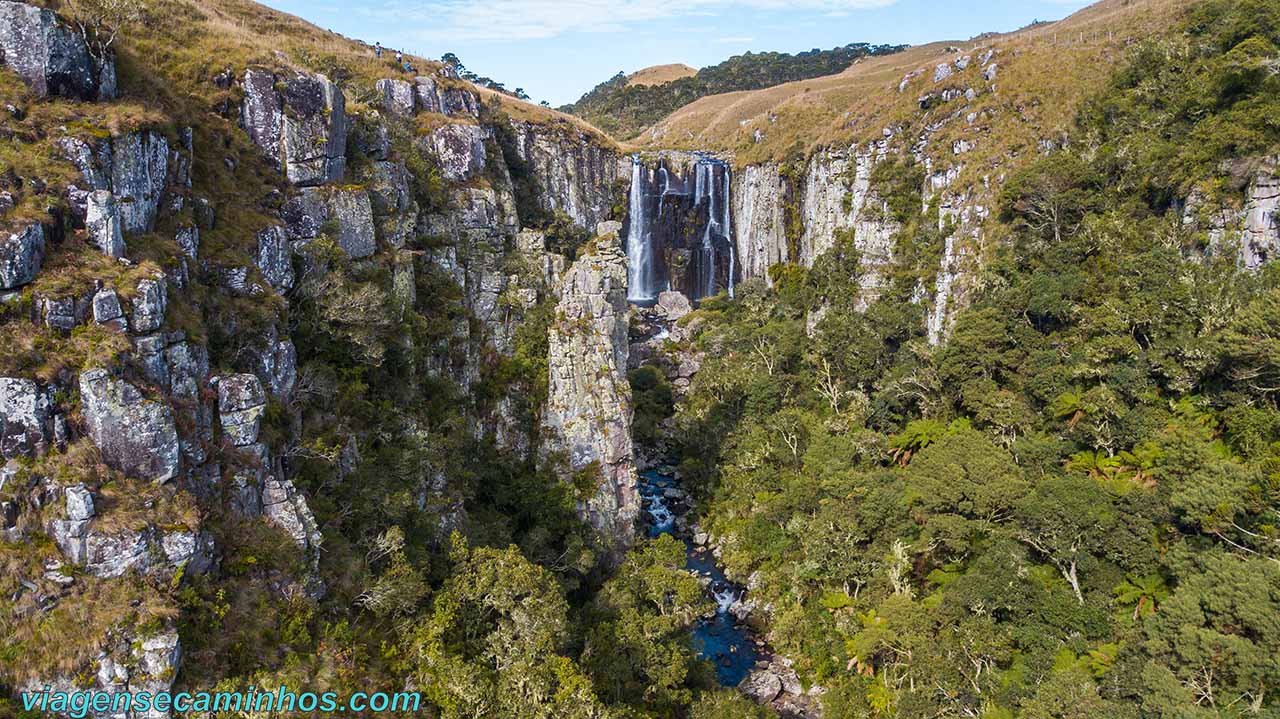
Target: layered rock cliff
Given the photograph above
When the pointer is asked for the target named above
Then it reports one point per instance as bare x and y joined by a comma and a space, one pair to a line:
208, 301
588, 413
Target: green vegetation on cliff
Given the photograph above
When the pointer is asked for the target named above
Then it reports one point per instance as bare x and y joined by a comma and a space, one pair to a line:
1070, 508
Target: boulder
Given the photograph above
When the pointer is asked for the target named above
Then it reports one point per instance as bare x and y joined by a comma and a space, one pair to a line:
942, 71
107, 310
989, 73
136, 435
102, 223
241, 404
761, 686
674, 304
20, 256
431, 95
51, 57
26, 418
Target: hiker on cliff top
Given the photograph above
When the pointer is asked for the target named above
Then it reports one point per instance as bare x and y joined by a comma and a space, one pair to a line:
377, 50
399, 58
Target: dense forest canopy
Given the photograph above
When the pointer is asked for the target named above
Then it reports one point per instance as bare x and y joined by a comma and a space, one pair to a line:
1070, 509
623, 109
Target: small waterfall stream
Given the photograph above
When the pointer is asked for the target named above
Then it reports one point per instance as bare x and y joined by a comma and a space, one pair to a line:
680, 230
721, 639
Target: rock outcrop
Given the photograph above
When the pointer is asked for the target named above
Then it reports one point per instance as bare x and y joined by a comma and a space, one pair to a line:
588, 410
137, 435
460, 149
347, 212
575, 172
133, 168
300, 120
21, 253
26, 418
50, 56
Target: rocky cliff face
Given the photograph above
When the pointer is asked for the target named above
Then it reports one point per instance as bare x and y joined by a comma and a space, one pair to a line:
50, 56
182, 393
588, 413
575, 173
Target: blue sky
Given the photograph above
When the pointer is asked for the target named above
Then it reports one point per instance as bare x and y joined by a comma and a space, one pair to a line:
558, 49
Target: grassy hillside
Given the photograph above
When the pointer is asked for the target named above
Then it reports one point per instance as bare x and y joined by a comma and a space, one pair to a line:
1045, 71
659, 74
622, 107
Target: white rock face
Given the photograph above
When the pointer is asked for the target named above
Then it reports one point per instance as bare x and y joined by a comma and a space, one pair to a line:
759, 201
50, 56
26, 417
349, 209
299, 120
461, 150
588, 412
1260, 238
574, 172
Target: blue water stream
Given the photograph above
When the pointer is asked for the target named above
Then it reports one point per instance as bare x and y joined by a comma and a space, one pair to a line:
721, 639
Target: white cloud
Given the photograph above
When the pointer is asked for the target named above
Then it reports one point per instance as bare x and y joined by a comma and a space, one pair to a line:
535, 19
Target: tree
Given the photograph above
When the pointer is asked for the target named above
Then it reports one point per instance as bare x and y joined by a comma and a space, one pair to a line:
99, 21
1065, 518
1212, 644
637, 651
491, 644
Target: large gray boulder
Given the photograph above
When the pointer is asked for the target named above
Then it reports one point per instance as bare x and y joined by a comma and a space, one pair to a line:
136, 435
26, 417
397, 96
431, 95
21, 253
301, 121
50, 56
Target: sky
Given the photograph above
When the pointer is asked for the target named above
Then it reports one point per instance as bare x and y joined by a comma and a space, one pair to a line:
556, 50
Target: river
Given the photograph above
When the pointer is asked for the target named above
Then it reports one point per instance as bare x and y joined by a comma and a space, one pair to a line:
722, 639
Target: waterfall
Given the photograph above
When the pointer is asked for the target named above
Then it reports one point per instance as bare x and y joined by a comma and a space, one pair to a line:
679, 229
639, 249
727, 229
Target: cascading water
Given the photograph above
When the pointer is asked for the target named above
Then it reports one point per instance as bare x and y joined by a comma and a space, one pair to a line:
720, 639
640, 284
679, 230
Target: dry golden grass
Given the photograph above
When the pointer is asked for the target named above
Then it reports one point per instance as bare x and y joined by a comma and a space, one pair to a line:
1045, 71
659, 74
